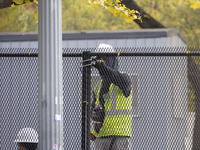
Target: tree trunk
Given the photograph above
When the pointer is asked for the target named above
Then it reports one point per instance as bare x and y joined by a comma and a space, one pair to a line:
147, 20
5, 3
8, 3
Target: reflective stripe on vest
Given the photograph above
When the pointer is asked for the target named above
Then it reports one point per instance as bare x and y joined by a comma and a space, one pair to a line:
113, 110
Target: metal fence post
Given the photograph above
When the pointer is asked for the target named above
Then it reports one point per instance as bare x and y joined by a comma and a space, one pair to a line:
50, 75
86, 82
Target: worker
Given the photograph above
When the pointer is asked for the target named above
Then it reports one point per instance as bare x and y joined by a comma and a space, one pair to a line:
27, 139
111, 105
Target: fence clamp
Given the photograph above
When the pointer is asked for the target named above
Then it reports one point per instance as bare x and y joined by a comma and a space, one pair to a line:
88, 60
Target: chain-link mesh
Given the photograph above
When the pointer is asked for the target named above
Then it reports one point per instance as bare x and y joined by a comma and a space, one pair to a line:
19, 99
149, 99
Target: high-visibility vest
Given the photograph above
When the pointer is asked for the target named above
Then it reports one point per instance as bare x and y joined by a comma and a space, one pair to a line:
118, 118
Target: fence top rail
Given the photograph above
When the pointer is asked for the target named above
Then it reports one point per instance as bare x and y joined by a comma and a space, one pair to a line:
105, 54
120, 51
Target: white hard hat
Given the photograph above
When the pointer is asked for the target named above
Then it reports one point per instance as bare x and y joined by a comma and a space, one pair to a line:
27, 135
105, 48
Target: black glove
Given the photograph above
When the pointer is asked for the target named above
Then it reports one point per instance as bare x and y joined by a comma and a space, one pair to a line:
98, 115
100, 65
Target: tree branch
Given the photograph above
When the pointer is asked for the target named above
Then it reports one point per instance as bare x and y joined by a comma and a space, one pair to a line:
5, 3
8, 3
147, 20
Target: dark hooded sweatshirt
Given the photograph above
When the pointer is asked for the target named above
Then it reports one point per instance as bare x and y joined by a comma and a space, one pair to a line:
110, 74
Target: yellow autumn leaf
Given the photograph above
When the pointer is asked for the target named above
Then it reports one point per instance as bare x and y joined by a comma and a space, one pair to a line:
195, 7
194, 4
116, 8
116, 14
123, 15
128, 20
35, 1
13, 5
113, 11
109, 3
132, 11
118, 53
124, 7
95, 5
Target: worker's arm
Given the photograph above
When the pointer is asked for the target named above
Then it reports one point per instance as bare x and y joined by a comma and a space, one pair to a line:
122, 80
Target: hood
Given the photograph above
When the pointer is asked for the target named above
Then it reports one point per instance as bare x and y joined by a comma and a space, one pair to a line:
112, 62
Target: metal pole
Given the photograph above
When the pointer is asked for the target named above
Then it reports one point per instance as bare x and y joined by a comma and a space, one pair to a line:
86, 77
50, 75
88, 106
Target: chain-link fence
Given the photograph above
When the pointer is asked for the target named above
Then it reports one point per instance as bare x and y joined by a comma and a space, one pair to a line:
139, 98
